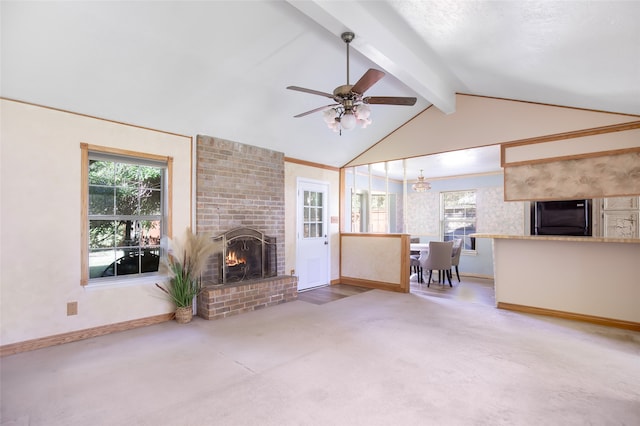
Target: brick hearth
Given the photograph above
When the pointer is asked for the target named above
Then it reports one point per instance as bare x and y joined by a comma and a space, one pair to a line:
221, 301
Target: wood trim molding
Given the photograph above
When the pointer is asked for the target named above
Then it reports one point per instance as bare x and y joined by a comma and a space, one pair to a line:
609, 322
84, 214
169, 214
372, 284
74, 336
311, 164
93, 116
128, 153
547, 104
563, 136
572, 157
373, 235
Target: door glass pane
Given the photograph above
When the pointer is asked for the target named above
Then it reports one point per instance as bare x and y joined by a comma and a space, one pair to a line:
312, 209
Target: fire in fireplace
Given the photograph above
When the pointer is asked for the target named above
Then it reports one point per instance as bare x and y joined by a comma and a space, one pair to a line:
233, 259
247, 254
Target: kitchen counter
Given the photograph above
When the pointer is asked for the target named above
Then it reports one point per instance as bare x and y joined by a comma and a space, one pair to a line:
586, 278
559, 238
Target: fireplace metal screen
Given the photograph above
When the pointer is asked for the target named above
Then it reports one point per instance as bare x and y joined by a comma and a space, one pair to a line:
247, 254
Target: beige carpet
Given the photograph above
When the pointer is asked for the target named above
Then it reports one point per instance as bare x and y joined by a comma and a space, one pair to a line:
376, 358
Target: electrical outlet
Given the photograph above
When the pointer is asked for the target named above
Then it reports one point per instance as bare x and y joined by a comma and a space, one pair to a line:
72, 308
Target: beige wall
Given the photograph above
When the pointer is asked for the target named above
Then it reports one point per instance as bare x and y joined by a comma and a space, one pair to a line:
575, 276
40, 191
481, 121
293, 171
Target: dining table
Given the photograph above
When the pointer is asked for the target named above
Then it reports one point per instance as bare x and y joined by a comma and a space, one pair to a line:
416, 248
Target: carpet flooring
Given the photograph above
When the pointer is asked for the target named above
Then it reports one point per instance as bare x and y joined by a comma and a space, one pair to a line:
372, 358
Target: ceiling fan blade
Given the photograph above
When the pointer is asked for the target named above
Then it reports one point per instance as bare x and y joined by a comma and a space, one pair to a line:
389, 100
313, 92
369, 78
313, 110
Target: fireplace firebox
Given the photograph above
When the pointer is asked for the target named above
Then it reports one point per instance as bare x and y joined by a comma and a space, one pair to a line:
247, 254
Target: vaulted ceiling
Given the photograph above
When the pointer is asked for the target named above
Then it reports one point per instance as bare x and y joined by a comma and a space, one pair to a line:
221, 68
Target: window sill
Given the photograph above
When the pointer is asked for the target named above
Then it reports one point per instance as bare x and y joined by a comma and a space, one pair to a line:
110, 283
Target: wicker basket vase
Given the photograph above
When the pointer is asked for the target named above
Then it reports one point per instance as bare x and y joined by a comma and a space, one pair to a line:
184, 314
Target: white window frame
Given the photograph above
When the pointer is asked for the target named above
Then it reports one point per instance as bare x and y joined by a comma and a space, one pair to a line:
87, 151
465, 220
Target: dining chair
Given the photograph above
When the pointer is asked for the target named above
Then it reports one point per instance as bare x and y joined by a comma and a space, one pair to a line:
415, 265
439, 258
455, 255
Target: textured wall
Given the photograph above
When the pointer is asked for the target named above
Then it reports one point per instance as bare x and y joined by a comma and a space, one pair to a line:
494, 215
239, 185
593, 177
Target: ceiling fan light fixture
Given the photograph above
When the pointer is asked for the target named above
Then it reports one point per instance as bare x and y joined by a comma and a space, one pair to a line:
329, 116
348, 120
363, 114
421, 185
351, 107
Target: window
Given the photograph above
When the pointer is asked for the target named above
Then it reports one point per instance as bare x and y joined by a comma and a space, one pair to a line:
313, 214
376, 200
379, 217
458, 213
125, 195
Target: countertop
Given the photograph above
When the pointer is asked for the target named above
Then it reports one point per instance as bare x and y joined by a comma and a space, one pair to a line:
558, 238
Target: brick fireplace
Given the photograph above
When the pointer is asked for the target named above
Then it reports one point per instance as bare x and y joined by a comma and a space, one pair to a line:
240, 186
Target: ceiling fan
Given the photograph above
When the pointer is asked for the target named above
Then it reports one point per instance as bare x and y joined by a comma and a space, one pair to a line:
351, 106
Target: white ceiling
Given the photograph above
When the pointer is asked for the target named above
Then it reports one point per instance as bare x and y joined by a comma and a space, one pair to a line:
220, 68
479, 160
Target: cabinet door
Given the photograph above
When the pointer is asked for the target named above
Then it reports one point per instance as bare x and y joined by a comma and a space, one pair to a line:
621, 224
621, 203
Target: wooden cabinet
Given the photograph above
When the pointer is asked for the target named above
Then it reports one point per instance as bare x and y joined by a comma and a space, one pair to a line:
620, 217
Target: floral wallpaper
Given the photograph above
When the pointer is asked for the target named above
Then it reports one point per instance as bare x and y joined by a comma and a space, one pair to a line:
494, 215
423, 215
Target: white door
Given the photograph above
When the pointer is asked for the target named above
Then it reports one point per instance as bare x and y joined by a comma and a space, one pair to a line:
312, 254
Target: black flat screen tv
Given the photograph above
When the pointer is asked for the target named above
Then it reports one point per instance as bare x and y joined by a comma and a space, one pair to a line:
570, 217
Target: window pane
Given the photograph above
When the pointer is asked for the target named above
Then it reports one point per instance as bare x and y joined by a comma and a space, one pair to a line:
126, 233
150, 233
306, 214
133, 193
126, 201
101, 234
128, 264
101, 200
127, 175
99, 261
459, 217
101, 172
150, 203
150, 177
